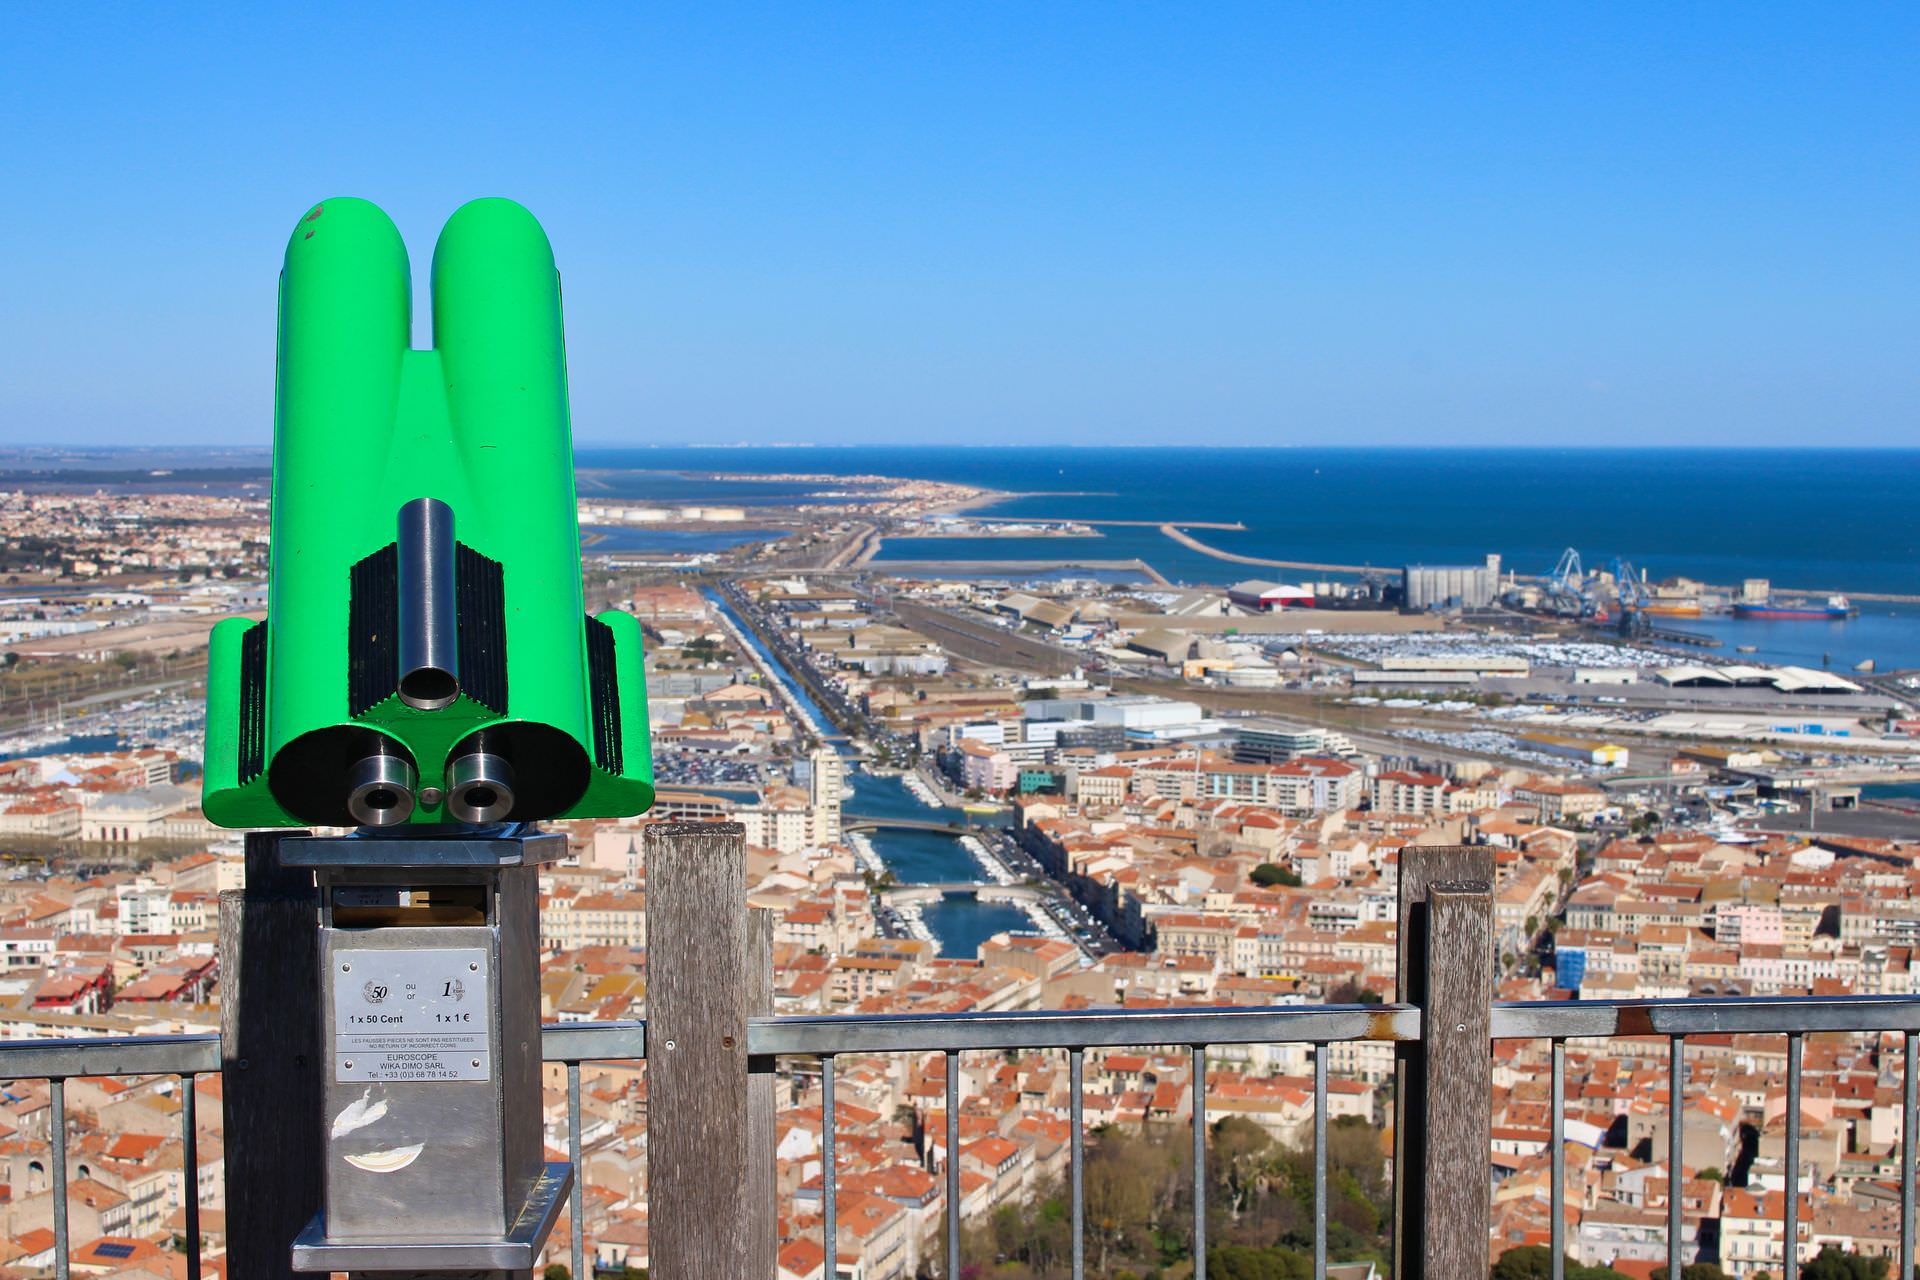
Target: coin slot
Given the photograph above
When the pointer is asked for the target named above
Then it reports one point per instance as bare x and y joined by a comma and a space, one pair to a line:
374, 906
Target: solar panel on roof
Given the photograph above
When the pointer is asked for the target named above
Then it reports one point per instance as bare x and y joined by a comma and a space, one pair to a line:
113, 1250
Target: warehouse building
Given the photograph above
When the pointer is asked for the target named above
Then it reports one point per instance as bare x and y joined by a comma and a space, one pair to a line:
1265, 597
1610, 755
1783, 679
1171, 647
1049, 614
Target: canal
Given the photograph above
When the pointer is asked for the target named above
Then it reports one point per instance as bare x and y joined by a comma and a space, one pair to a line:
788, 680
959, 924
931, 857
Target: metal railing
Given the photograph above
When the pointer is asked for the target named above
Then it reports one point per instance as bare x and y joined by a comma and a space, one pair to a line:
57, 1061
1194, 1029
1792, 1017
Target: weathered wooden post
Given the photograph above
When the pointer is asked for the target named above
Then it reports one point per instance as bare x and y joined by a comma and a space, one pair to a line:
1443, 1085
270, 1059
699, 992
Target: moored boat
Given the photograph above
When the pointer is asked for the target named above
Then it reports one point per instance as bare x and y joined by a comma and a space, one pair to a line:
1795, 610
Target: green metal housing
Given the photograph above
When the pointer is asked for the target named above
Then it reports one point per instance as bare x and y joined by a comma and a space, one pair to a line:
364, 425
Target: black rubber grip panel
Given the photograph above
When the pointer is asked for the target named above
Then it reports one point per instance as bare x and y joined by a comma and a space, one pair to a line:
604, 685
373, 630
481, 599
253, 702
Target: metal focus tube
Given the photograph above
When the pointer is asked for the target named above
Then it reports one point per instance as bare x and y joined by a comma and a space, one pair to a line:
479, 787
380, 789
429, 621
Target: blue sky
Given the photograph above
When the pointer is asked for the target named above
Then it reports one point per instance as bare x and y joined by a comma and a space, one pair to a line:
1262, 224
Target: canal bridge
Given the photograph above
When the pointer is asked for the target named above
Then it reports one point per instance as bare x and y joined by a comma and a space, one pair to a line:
861, 822
901, 894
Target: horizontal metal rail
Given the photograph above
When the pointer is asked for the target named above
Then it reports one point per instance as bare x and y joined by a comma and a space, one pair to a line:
1744, 1015
109, 1056
69, 1059
593, 1041
1194, 1029
1106, 1028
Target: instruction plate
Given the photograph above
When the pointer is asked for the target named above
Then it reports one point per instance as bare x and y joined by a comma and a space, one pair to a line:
419, 1014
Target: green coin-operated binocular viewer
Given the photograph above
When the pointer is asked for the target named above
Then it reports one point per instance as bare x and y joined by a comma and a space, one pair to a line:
427, 674
425, 657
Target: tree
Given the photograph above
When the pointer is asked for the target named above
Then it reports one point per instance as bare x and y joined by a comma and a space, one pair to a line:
1833, 1264
1269, 874
556, 1271
1535, 1262
1239, 1157
1244, 1262
1693, 1271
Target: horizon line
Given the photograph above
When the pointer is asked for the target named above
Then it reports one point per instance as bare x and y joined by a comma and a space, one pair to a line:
802, 445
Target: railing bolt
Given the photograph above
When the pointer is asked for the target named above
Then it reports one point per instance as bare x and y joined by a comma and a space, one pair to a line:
670, 1046
726, 1042
244, 1064
1461, 1027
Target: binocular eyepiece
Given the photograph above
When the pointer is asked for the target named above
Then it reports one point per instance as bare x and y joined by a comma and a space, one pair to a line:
383, 788
479, 787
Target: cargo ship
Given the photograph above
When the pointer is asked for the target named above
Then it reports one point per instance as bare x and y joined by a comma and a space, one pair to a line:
1795, 610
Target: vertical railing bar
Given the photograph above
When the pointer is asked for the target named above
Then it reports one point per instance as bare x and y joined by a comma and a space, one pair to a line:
576, 1194
953, 1164
1320, 1162
1909, 1112
1676, 1123
190, 1166
1559, 1166
1199, 1162
829, 1190
1790, 1268
1076, 1157
59, 1121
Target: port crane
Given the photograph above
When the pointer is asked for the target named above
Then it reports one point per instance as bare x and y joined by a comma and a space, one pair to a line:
1566, 591
1630, 589
1629, 586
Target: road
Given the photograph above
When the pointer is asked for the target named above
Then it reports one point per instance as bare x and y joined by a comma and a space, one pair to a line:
985, 643
1876, 822
1010, 568
1192, 543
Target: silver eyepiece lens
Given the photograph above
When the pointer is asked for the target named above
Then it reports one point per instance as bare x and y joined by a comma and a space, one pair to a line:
479, 788
380, 791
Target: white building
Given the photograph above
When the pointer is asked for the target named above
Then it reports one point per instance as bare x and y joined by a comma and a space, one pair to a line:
145, 907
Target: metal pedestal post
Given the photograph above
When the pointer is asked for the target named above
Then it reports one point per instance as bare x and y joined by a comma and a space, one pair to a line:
430, 1022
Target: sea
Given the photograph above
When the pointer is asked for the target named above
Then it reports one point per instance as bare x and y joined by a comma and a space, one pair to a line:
1809, 520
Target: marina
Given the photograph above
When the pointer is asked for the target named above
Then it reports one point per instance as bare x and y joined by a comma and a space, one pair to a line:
170, 722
